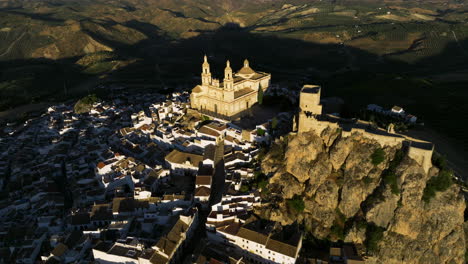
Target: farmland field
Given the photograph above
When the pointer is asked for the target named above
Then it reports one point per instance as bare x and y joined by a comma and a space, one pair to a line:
49, 47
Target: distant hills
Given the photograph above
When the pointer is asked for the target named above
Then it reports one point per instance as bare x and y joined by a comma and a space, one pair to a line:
412, 53
62, 29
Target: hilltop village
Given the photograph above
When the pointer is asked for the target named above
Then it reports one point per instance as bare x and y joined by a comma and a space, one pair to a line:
156, 178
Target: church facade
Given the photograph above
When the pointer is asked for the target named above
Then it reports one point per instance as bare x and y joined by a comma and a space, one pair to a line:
232, 97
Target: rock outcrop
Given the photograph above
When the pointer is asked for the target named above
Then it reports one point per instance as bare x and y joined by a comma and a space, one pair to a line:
337, 179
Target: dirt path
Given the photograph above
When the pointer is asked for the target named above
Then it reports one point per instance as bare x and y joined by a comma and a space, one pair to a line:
457, 157
12, 45
458, 42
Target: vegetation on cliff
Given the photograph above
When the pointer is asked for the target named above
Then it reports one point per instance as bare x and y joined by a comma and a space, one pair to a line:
296, 204
348, 197
440, 182
374, 234
85, 104
437, 183
378, 156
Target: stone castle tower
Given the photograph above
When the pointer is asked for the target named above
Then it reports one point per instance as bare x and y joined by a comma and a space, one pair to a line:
311, 118
310, 107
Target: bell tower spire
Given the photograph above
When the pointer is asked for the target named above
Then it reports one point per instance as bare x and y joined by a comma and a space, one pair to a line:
206, 74
228, 80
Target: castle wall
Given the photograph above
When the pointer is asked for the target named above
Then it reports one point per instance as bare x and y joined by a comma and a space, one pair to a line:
311, 124
383, 140
310, 108
422, 156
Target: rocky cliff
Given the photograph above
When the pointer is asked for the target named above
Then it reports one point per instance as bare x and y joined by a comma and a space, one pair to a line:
338, 191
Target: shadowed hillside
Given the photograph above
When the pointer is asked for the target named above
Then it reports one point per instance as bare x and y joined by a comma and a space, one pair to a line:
365, 53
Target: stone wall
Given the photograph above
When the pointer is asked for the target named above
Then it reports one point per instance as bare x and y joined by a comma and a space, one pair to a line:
311, 111
422, 156
383, 140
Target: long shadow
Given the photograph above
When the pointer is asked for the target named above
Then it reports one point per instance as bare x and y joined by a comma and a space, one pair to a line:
164, 61
44, 17
182, 15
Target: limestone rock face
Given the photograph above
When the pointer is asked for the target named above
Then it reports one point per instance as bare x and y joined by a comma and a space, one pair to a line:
336, 178
356, 235
293, 187
302, 153
382, 212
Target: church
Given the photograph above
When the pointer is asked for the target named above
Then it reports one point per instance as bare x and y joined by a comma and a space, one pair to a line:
230, 98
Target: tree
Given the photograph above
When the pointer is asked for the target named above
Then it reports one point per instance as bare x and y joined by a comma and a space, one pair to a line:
296, 204
374, 234
244, 189
85, 104
260, 95
260, 132
437, 183
378, 156
274, 123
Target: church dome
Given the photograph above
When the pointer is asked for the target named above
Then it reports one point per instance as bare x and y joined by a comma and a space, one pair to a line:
246, 71
197, 89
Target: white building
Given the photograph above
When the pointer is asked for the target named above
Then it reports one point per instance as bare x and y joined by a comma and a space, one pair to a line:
257, 247
183, 162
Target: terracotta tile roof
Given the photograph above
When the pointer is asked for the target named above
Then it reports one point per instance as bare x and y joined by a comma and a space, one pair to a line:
59, 250
252, 235
281, 247
209, 152
208, 131
169, 243
101, 165
202, 191
180, 157
231, 228
166, 245
203, 180
217, 126
128, 252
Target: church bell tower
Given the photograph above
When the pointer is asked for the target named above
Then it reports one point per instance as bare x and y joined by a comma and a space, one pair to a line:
228, 80
206, 74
